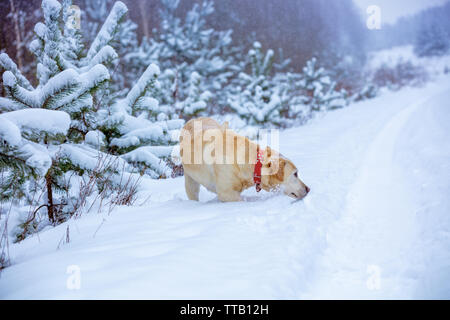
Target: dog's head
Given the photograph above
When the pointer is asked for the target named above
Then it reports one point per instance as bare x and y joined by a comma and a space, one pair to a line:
278, 171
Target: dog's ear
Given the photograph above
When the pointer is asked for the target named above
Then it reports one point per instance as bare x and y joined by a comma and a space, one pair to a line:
268, 152
280, 173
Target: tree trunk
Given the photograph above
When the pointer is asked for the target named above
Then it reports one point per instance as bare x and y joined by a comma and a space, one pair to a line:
144, 18
15, 16
50, 205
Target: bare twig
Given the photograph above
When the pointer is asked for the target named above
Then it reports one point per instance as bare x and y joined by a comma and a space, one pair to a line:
101, 224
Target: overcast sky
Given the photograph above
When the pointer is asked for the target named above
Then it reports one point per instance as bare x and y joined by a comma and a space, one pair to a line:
391, 10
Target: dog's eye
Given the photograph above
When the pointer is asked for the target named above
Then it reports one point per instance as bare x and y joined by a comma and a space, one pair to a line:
295, 174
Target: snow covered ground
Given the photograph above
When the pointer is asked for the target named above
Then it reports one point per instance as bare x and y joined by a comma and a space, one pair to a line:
375, 225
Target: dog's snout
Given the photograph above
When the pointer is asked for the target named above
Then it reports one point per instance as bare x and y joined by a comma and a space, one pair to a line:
307, 189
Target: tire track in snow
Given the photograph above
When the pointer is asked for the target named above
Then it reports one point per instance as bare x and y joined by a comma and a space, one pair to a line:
370, 244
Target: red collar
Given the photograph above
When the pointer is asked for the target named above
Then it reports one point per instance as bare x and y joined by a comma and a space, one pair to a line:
257, 172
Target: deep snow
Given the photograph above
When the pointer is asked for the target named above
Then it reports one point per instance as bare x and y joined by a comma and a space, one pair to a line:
375, 225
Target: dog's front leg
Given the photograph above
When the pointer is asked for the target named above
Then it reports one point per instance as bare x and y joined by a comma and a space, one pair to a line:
228, 195
225, 181
192, 187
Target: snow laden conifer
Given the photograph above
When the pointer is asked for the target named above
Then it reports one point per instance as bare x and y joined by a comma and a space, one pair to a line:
24, 135
294, 109
65, 81
54, 147
140, 130
192, 58
196, 101
124, 41
319, 89
257, 97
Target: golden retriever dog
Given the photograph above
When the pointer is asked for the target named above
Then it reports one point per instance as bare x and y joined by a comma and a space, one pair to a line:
226, 163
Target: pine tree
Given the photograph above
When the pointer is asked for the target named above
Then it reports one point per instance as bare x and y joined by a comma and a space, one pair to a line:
294, 109
124, 42
257, 97
196, 101
320, 89
190, 54
67, 83
22, 155
139, 129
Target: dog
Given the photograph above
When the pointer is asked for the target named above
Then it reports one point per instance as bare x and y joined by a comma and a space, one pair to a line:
226, 163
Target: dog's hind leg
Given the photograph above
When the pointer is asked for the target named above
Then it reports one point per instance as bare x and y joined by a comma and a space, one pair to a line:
227, 194
192, 187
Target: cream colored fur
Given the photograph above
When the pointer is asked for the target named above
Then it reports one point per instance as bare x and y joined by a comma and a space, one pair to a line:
230, 179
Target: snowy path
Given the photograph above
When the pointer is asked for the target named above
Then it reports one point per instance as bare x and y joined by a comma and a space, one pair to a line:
380, 178
379, 234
